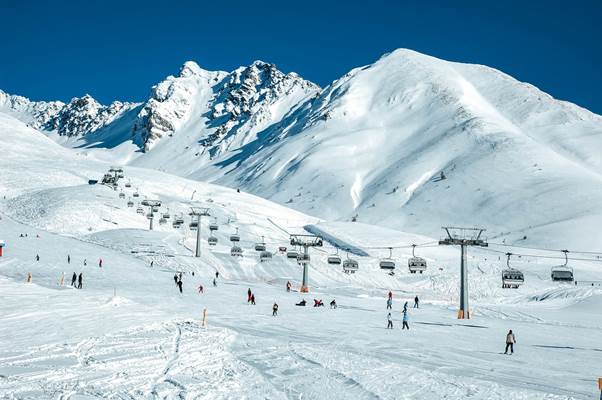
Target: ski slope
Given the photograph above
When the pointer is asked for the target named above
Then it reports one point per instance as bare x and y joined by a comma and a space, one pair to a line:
129, 333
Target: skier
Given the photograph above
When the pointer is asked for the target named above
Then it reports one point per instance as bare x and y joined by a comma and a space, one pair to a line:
288, 286
216, 274
152, 263
405, 307
85, 262
37, 257
389, 321
100, 263
201, 289
302, 303
389, 304
253, 299
390, 295
175, 279
214, 283
68, 259
333, 303
80, 279
249, 294
416, 302
406, 318
180, 285
510, 340
275, 310
73, 279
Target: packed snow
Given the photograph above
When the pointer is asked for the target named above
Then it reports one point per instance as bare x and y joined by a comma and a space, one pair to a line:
130, 333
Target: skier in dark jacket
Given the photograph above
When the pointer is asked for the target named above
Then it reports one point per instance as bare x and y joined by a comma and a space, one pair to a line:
302, 303
216, 274
73, 279
175, 279
275, 310
37, 257
253, 299
180, 285
80, 279
416, 302
68, 259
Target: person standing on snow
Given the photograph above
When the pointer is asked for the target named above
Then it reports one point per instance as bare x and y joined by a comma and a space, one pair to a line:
333, 303
216, 274
389, 321
275, 310
180, 285
201, 289
68, 259
405, 307
73, 279
253, 299
80, 279
100, 263
85, 262
288, 286
249, 294
37, 257
175, 279
214, 283
389, 304
510, 340
390, 295
406, 318
416, 302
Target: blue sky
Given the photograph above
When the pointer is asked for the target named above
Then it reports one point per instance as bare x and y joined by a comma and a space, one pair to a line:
119, 49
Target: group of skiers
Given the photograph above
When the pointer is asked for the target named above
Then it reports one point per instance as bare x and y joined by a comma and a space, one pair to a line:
79, 279
406, 318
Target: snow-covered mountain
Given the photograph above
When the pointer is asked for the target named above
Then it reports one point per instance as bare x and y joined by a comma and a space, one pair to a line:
410, 142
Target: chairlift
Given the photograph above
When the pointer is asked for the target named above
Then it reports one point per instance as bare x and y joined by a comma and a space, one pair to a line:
149, 216
176, 224
128, 185
260, 246
235, 237
194, 225
387, 263
292, 254
212, 240
236, 251
136, 194
511, 277
563, 273
416, 264
303, 258
162, 221
334, 258
350, 266
166, 214
140, 210
282, 249
130, 203
265, 256
121, 195
155, 209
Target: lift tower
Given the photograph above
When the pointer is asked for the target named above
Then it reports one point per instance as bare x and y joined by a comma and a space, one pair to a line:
463, 237
152, 206
305, 241
198, 212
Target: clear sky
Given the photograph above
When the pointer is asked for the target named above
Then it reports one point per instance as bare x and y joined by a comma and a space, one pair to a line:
118, 49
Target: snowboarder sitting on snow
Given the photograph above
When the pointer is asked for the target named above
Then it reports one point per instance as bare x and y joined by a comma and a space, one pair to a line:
275, 310
302, 303
318, 303
333, 303
510, 340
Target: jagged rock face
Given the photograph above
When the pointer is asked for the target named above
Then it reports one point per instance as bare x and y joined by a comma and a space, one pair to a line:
37, 113
245, 97
171, 102
79, 117
84, 115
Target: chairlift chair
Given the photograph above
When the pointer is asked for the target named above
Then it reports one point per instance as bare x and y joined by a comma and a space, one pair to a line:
511, 277
213, 226
162, 221
128, 185
121, 195
303, 258
235, 237
194, 225
265, 256
416, 264
212, 240
387, 263
166, 214
292, 254
260, 246
335, 258
136, 194
140, 210
350, 266
236, 251
563, 273
282, 249
130, 203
